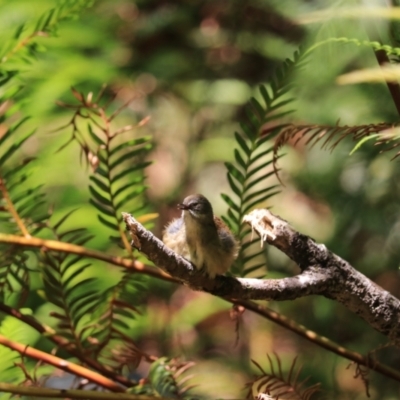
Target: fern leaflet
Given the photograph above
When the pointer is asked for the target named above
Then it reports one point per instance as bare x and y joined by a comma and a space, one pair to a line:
118, 162
67, 287
248, 176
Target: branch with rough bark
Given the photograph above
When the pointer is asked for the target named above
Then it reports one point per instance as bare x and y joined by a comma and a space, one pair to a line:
322, 273
134, 265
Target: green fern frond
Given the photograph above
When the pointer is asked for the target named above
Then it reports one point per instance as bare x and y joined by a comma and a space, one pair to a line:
376, 46
166, 380
116, 314
11, 327
67, 286
22, 46
248, 177
331, 136
118, 161
276, 385
22, 208
14, 276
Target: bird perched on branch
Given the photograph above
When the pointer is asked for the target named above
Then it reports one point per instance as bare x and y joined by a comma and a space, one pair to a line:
201, 237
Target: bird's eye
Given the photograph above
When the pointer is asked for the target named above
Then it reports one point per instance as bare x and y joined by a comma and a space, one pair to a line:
196, 207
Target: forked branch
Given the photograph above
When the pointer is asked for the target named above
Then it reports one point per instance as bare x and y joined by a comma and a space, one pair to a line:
322, 273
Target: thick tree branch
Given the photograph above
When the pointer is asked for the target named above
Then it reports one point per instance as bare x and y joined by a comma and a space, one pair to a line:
323, 273
51, 245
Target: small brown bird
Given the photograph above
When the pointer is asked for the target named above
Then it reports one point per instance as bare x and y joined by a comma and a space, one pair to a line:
201, 237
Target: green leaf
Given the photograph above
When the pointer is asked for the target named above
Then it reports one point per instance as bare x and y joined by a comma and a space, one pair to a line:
137, 180
107, 223
101, 171
250, 257
248, 130
239, 159
6, 76
249, 270
131, 155
58, 224
233, 217
258, 180
44, 21
277, 116
248, 244
102, 208
230, 202
253, 119
265, 95
102, 154
28, 195
228, 222
271, 133
82, 305
258, 108
28, 209
13, 148
362, 141
100, 198
255, 157
78, 270
242, 143
68, 291
233, 186
259, 193
235, 172
19, 31
135, 193
253, 171
242, 234
70, 261
100, 184
281, 104
146, 140
121, 324
162, 379
259, 201
74, 234
131, 170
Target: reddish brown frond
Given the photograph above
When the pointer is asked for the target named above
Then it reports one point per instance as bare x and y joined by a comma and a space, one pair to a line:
276, 385
331, 136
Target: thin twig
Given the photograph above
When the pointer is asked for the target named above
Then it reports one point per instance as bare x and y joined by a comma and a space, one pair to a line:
70, 394
12, 210
60, 363
382, 59
54, 245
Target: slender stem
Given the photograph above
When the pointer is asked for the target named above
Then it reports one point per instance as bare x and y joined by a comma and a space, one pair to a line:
105, 128
66, 345
382, 59
62, 364
321, 341
24, 42
11, 209
55, 245
32, 391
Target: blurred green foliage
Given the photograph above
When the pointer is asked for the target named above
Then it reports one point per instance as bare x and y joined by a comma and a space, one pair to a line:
191, 67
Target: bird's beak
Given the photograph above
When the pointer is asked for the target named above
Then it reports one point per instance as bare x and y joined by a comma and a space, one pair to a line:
182, 206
